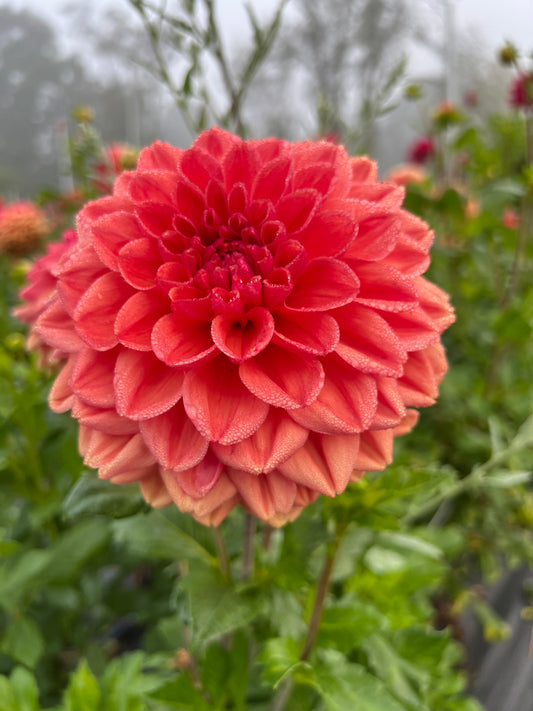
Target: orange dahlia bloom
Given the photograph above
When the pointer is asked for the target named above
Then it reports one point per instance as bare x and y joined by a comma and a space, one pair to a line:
22, 227
246, 323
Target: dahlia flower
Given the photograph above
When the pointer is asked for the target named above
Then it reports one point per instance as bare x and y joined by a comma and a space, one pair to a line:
421, 150
40, 289
245, 322
521, 91
22, 227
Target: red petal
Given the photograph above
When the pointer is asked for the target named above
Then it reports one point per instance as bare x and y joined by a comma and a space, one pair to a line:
199, 167
103, 420
174, 440
55, 327
375, 450
92, 377
391, 408
115, 454
179, 340
422, 373
137, 318
313, 333
159, 156
367, 342
154, 491
283, 378
364, 170
111, 233
145, 387
278, 438
414, 328
198, 481
295, 209
385, 288
216, 142
273, 180
408, 256
210, 509
61, 397
93, 211
318, 176
155, 217
346, 404
387, 195
325, 284
219, 405
265, 495
241, 165
329, 234
190, 202
435, 303
82, 268
139, 261
243, 337
97, 309
154, 186
376, 238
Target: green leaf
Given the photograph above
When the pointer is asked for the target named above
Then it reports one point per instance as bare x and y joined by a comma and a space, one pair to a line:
83, 693
406, 542
23, 641
346, 686
347, 625
216, 609
75, 547
180, 695
151, 535
19, 574
215, 672
125, 682
524, 436
280, 656
20, 692
93, 496
506, 479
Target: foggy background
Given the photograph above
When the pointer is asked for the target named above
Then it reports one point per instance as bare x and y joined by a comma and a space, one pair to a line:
328, 72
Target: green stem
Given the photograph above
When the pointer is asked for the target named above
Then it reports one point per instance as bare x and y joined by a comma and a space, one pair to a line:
322, 589
248, 547
222, 553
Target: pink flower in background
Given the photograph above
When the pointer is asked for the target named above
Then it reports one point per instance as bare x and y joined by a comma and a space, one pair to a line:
406, 174
510, 219
23, 225
245, 323
117, 157
521, 91
41, 288
421, 150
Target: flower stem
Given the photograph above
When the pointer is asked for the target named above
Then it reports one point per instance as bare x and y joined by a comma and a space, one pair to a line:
222, 553
322, 588
248, 547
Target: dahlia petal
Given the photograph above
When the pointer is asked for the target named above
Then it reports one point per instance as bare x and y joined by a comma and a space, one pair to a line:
312, 333
243, 336
155, 217
199, 167
178, 340
264, 495
159, 156
329, 234
111, 232
408, 256
407, 423
54, 326
136, 319
198, 481
217, 199
144, 386
128, 476
102, 419
422, 373
241, 165
139, 261
416, 230
216, 142
414, 328
308, 468
367, 342
375, 450
340, 453
435, 303
218, 403
346, 404
384, 288
97, 309
295, 209
61, 397
114, 454
364, 170
78, 272
190, 202
283, 378
376, 238
173, 439
92, 377
154, 186
325, 284
93, 211
389, 196
278, 438
318, 176
203, 509
154, 491
391, 409
273, 180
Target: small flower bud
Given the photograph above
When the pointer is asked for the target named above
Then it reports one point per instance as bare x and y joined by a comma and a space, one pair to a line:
412, 92
508, 54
